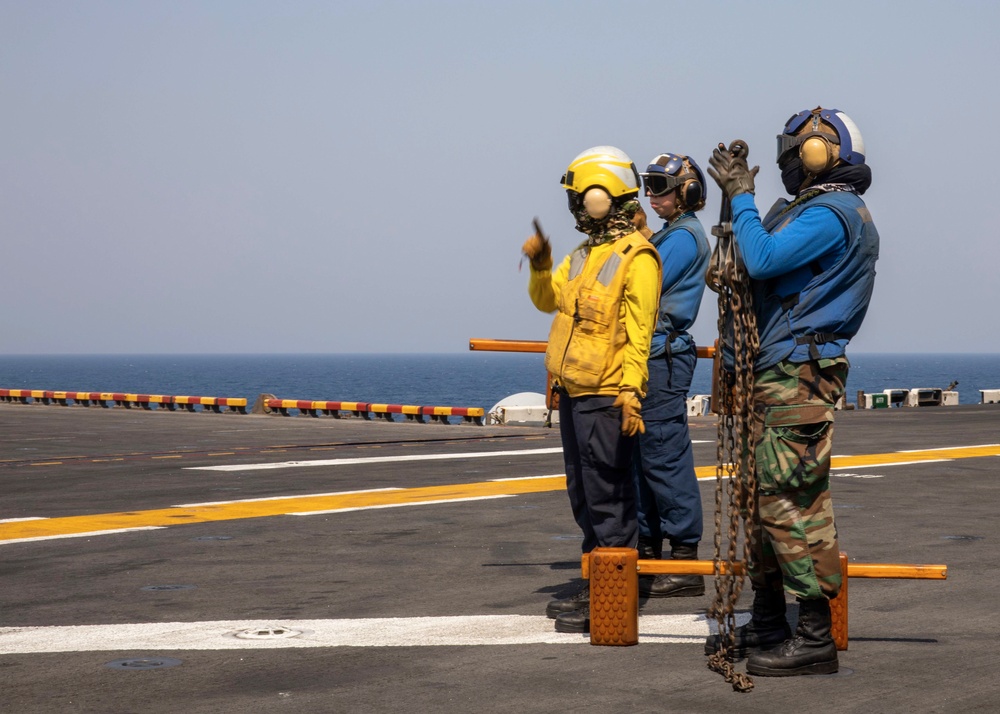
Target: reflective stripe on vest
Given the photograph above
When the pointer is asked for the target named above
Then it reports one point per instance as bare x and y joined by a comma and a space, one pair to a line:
586, 342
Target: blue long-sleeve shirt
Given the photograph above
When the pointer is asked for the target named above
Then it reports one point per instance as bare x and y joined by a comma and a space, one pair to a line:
816, 236
792, 256
684, 254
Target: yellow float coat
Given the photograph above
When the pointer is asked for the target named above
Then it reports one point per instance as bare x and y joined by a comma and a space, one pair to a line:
606, 300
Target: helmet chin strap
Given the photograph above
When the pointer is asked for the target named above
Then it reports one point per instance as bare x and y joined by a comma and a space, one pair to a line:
679, 210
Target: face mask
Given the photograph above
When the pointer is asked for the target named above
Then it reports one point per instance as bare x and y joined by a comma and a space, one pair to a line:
793, 175
615, 225
859, 178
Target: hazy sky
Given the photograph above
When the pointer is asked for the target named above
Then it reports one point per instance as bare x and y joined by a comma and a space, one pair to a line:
359, 177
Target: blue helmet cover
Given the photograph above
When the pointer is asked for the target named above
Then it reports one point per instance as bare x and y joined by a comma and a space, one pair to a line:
852, 145
672, 166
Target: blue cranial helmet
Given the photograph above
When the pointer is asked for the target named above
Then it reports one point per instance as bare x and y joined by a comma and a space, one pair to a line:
832, 128
667, 172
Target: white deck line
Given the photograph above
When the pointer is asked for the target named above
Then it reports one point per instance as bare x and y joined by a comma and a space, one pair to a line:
399, 505
82, 535
374, 460
887, 464
946, 448
371, 632
287, 498
21, 520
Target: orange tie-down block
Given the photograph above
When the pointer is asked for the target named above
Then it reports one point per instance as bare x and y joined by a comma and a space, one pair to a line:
614, 588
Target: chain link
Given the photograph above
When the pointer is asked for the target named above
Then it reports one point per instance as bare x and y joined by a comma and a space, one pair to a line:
735, 469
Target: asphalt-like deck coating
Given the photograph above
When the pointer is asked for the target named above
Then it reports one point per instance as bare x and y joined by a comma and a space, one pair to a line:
915, 646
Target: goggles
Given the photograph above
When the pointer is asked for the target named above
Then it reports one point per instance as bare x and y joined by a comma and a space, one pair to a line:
786, 143
659, 184
661, 178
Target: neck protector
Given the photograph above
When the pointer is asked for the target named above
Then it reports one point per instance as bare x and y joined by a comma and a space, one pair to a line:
795, 179
613, 226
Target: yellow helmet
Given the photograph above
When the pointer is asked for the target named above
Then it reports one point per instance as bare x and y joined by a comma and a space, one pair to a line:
605, 167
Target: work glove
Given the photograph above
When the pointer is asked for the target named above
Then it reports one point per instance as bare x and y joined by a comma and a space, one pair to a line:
732, 174
628, 402
639, 222
539, 251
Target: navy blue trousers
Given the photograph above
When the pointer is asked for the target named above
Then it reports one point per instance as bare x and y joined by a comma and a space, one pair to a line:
669, 500
598, 471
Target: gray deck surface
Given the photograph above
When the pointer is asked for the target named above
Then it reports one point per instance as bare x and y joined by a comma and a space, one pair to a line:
916, 646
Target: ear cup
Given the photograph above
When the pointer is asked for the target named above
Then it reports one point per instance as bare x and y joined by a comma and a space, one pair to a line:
597, 203
817, 154
692, 193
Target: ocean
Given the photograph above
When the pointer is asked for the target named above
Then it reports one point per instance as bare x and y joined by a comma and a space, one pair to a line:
473, 379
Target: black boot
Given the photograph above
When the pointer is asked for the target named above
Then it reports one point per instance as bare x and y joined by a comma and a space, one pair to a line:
575, 621
649, 549
575, 601
675, 585
767, 626
810, 651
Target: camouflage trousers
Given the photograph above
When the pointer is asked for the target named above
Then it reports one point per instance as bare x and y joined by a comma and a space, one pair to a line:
794, 539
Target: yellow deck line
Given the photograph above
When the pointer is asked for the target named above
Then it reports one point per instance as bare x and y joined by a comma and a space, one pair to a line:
959, 452
890, 459
70, 525
276, 507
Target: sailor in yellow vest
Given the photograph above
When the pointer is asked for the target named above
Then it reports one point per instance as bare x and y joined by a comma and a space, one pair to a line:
605, 296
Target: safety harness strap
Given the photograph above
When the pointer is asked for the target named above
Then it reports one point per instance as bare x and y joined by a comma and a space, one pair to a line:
818, 339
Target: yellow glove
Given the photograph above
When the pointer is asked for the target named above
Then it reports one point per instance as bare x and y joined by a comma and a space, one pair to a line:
628, 402
639, 222
538, 250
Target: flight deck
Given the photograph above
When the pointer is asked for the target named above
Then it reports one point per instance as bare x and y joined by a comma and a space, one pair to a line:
157, 561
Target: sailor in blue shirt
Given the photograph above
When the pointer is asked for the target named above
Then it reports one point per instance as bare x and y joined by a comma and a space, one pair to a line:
812, 267
669, 501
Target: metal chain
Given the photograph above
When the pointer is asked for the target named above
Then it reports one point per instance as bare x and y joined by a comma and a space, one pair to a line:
735, 470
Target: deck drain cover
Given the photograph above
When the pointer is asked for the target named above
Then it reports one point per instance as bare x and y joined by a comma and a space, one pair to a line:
148, 663
962, 537
213, 538
842, 672
170, 587
267, 633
